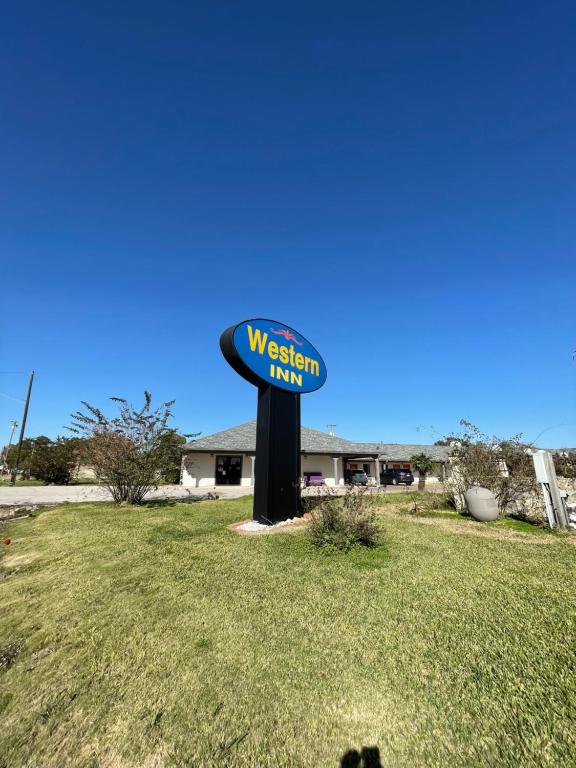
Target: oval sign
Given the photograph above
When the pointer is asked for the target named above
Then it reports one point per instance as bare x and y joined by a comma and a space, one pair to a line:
269, 352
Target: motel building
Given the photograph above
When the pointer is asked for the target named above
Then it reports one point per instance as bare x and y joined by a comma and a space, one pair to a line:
228, 458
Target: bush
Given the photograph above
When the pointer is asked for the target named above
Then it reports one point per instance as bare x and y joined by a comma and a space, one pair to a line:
565, 464
434, 502
340, 523
504, 466
53, 461
128, 452
170, 450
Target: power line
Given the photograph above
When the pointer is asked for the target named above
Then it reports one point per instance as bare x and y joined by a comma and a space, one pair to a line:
9, 397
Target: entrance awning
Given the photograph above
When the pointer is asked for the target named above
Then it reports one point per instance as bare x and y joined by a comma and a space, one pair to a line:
361, 458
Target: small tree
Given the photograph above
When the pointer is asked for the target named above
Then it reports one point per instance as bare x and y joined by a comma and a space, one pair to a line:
53, 461
504, 466
171, 456
423, 465
128, 451
28, 447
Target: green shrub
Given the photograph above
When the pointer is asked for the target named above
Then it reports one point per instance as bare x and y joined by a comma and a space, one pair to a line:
53, 461
340, 523
132, 451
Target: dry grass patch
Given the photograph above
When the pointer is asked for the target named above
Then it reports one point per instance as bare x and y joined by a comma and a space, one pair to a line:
18, 561
471, 528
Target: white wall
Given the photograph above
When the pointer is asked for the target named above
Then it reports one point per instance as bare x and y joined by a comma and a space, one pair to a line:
85, 472
325, 464
198, 469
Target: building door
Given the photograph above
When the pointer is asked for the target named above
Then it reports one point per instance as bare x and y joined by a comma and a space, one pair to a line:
228, 470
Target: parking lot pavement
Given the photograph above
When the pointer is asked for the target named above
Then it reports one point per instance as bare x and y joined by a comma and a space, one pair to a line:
58, 494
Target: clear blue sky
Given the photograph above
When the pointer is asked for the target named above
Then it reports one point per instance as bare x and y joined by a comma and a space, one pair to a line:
395, 180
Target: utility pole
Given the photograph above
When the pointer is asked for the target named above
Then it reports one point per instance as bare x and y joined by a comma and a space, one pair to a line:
13, 424
22, 428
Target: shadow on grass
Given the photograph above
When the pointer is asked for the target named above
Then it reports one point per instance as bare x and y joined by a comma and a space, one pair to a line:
368, 757
155, 503
161, 503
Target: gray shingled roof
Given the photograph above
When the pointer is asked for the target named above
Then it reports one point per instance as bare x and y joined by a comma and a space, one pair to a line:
403, 451
243, 439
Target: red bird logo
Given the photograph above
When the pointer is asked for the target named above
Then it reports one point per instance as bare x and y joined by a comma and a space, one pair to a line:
288, 335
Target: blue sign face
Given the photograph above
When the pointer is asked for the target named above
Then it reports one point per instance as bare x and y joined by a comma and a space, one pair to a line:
271, 352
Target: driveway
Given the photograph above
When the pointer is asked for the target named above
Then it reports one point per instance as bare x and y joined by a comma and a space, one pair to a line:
57, 494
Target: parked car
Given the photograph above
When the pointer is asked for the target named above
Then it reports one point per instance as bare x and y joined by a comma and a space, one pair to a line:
396, 476
358, 477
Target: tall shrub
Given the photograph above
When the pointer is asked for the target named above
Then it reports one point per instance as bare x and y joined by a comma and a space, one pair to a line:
127, 452
504, 466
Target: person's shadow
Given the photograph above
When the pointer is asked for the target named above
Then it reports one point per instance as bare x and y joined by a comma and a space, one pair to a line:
369, 757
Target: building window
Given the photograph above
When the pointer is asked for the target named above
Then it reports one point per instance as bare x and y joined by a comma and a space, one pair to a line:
228, 470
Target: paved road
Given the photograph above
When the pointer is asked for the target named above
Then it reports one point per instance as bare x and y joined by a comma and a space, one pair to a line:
56, 494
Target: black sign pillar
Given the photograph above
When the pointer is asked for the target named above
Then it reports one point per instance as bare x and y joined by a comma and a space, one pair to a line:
283, 364
277, 468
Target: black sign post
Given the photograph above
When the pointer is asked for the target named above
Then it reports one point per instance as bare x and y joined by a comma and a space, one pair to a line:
282, 364
277, 469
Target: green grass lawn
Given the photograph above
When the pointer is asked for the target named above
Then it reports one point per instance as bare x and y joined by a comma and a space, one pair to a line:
32, 482
149, 637
20, 483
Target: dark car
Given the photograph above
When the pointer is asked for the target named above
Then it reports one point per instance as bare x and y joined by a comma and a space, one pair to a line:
357, 477
396, 476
